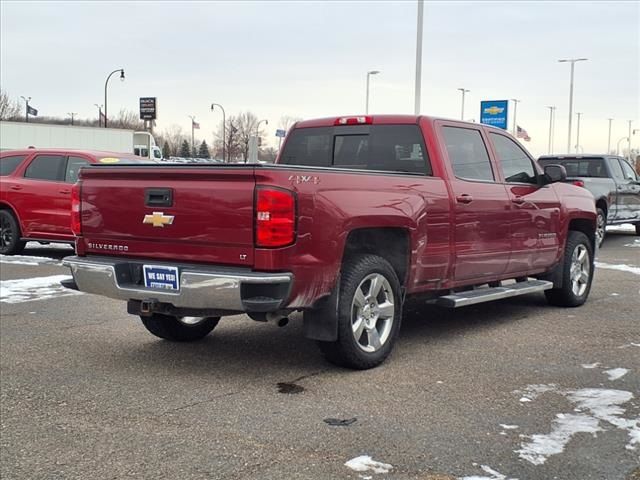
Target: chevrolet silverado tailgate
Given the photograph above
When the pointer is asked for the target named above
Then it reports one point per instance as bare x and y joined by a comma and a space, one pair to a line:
179, 213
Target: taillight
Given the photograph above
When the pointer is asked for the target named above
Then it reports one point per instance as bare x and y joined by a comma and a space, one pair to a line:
578, 183
275, 217
364, 120
76, 213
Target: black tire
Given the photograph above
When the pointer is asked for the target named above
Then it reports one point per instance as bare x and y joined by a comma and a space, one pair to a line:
379, 314
637, 229
10, 243
175, 329
567, 296
601, 227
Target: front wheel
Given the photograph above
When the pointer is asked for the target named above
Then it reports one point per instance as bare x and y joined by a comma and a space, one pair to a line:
601, 227
577, 273
179, 329
369, 314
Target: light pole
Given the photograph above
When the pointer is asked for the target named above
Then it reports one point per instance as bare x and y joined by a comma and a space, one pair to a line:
629, 137
463, 92
551, 119
99, 114
366, 105
618, 146
266, 122
72, 115
573, 62
26, 111
193, 144
416, 104
515, 112
578, 132
105, 91
224, 140
609, 140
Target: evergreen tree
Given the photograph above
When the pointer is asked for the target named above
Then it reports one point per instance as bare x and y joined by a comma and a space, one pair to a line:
185, 150
203, 151
166, 150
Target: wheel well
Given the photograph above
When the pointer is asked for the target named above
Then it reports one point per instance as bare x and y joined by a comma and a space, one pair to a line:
390, 243
585, 226
602, 204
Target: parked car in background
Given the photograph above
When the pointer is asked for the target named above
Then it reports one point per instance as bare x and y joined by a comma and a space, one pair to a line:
35, 193
613, 183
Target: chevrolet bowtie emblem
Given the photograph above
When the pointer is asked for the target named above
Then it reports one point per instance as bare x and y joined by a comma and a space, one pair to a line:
158, 219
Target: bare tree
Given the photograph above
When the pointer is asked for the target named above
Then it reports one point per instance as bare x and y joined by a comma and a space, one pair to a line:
127, 119
247, 123
8, 110
230, 140
287, 121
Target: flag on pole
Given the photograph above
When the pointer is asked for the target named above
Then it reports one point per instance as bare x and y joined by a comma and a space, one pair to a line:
32, 111
196, 124
522, 133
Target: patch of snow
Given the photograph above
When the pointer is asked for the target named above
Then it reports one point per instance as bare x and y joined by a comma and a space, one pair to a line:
625, 227
39, 288
636, 243
620, 267
630, 345
508, 427
364, 463
615, 294
534, 391
27, 260
495, 475
57, 246
616, 373
590, 365
525, 399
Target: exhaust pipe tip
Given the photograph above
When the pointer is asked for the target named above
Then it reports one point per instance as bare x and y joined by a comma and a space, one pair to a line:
277, 319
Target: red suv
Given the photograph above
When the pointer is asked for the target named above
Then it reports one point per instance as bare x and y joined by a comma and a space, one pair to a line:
35, 193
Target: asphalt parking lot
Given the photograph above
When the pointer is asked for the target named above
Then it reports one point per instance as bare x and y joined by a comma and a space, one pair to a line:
513, 389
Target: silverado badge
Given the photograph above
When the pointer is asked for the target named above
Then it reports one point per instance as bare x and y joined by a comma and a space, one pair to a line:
158, 219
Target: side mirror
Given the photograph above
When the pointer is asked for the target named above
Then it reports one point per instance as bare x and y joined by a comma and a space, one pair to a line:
555, 173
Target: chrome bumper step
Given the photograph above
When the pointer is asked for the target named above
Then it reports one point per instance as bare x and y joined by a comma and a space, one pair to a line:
488, 294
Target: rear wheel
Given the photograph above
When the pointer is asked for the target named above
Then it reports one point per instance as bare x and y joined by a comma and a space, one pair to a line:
10, 243
179, 329
369, 314
601, 227
577, 273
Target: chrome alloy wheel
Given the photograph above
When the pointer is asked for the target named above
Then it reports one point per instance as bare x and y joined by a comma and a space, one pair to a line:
580, 270
372, 312
6, 233
600, 229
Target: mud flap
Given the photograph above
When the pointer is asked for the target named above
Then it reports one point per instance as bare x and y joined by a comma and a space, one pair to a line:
321, 322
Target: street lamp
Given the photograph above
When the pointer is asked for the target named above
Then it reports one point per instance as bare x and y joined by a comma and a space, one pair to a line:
515, 112
609, 140
618, 146
551, 129
629, 150
266, 122
121, 70
99, 114
463, 92
573, 62
224, 140
578, 132
369, 73
193, 144
416, 104
72, 115
26, 113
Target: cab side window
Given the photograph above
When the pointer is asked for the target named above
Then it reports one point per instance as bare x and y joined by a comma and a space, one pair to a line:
516, 165
74, 164
46, 167
629, 174
468, 154
616, 169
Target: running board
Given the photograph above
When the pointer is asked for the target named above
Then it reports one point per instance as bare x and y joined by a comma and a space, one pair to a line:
488, 294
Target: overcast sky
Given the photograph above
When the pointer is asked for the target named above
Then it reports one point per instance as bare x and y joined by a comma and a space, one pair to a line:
309, 59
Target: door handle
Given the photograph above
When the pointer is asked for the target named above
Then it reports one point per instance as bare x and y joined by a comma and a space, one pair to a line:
65, 191
518, 200
464, 198
15, 187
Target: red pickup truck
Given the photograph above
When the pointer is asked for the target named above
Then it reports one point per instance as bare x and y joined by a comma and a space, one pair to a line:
357, 214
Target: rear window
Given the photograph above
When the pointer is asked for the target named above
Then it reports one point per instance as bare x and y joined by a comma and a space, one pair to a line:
579, 167
46, 167
393, 148
9, 164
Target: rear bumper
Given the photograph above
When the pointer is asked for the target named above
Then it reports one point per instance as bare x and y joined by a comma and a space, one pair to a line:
201, 287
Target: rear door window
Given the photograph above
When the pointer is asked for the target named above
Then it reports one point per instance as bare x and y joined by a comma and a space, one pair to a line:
468, 154
629, 174
516, 164
616, 169
392, 148
9, 164
46, 167
74, 164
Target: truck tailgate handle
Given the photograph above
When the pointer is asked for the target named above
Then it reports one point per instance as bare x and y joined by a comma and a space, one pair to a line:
158, 197
464, 198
